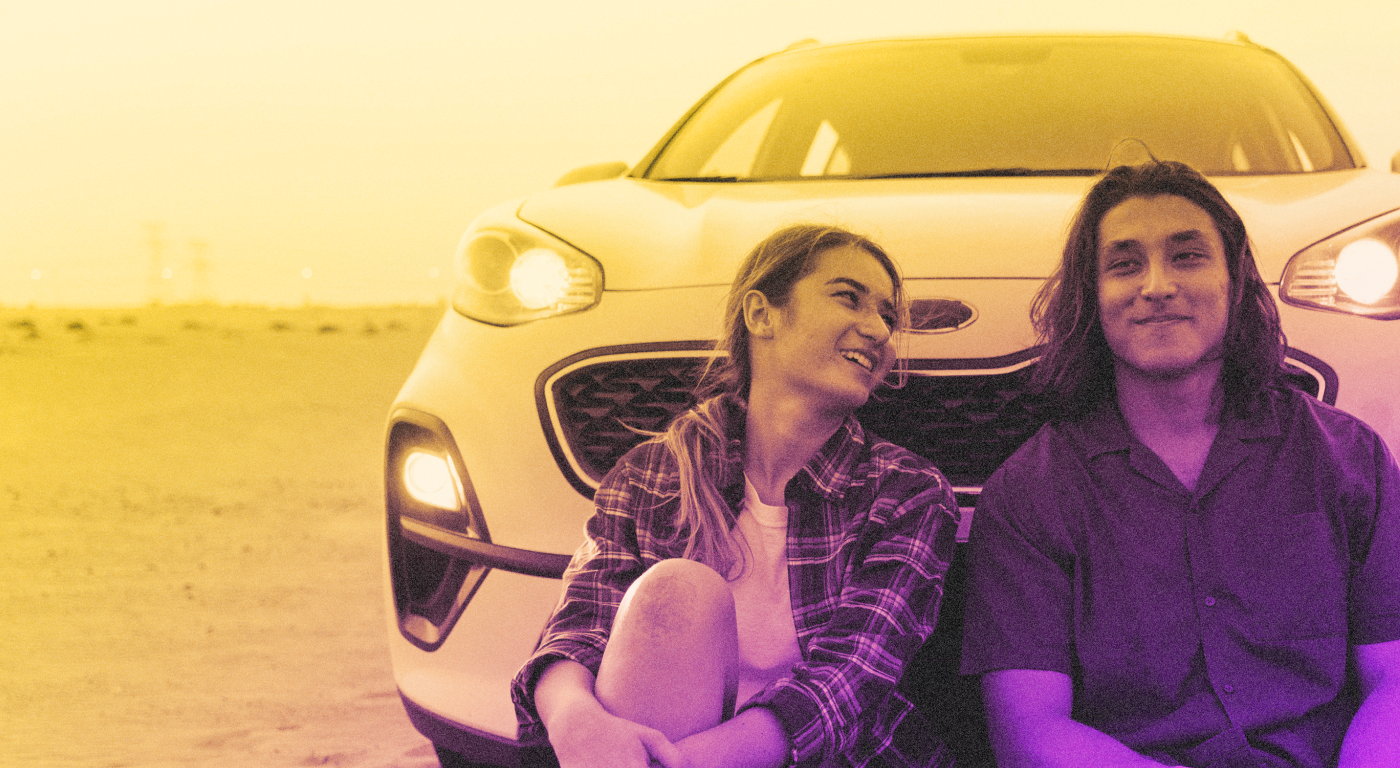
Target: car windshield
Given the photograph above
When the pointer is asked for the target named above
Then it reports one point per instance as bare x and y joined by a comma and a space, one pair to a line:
1004, 107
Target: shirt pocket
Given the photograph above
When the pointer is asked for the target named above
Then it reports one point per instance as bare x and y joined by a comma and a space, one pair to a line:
1292, 581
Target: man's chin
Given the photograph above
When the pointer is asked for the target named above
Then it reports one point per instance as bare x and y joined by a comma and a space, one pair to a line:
1170, 369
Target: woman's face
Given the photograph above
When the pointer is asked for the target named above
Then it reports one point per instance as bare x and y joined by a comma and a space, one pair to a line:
832, 341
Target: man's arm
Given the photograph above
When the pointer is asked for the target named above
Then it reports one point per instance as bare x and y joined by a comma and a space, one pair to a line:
1028, 718
1373, 739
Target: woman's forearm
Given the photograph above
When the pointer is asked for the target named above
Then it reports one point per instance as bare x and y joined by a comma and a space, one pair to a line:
563, 685
753, 739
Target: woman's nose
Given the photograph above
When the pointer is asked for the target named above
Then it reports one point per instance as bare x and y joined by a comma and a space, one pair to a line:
875, 328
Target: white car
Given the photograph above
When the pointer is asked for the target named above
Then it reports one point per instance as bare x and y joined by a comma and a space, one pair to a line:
582, 314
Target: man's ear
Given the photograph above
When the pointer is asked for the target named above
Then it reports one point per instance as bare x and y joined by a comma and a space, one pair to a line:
758, 315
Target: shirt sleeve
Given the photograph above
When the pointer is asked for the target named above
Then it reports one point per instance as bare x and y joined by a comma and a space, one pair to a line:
604, 565
1019, 595
882, 614
1374, 604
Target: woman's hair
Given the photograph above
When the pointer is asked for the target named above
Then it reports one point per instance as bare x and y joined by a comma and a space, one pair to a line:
698, 436
1076, 364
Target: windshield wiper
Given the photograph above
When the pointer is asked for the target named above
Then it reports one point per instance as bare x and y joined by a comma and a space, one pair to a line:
988, 172
700, 178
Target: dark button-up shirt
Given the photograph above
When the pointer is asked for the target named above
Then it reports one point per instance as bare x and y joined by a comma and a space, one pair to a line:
870, 537
1226, 611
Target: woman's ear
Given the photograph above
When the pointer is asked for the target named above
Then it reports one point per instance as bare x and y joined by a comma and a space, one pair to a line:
758, 315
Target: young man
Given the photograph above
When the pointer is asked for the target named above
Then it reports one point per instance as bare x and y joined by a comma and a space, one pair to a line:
1198, 565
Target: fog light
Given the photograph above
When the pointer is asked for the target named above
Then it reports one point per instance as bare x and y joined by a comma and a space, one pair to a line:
1366, 270
431, 480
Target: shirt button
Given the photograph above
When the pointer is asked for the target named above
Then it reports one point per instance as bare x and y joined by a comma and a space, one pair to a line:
1210, 601
1228, 688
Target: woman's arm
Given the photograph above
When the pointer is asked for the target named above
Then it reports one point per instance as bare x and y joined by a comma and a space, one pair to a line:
753, 739
1028, 719
582, 732
604, 566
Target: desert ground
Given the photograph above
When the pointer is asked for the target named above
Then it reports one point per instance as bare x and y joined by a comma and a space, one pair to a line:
190, 565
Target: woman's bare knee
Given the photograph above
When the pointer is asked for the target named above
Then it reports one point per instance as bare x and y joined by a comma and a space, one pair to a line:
671, 657
676, 597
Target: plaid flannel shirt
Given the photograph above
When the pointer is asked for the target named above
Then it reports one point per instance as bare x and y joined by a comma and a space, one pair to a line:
870, 537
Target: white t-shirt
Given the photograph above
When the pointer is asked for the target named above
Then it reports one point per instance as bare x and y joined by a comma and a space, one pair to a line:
762, 602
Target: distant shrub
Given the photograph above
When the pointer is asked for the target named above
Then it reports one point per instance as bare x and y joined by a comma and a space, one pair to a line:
25, 324
280, 325
329, 328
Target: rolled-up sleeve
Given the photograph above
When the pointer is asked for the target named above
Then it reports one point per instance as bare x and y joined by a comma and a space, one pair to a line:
1375, 584
605, 563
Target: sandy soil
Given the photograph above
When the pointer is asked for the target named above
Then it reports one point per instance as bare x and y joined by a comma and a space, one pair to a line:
190, 566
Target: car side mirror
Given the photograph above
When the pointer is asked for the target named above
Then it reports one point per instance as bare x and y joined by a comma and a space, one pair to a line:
597, 172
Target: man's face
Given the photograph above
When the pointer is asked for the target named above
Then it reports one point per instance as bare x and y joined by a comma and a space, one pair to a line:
1164, 288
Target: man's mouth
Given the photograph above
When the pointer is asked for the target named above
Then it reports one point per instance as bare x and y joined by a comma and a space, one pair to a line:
1156, 319
859, 358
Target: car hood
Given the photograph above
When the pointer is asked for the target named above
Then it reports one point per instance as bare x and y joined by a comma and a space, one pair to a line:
652, 234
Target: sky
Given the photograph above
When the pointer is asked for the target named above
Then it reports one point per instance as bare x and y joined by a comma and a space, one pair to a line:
333, 151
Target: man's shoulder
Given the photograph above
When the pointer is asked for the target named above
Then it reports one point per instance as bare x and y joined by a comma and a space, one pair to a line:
1305, 419
1054, 444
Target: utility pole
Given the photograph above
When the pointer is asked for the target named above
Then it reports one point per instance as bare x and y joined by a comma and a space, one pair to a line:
158, 279
201, 290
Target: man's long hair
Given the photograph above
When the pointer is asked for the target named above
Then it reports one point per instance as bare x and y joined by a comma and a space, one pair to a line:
698, 437
1076, 365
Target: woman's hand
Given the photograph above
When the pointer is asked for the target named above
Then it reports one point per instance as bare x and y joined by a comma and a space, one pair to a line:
585, 735
589, 737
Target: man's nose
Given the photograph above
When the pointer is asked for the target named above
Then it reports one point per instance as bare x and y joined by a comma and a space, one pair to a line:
1158, 281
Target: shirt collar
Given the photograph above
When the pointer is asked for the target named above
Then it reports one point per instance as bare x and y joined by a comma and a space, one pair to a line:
1105, 430
828, 472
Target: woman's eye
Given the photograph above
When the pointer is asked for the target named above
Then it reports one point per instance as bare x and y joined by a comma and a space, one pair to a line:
849, 296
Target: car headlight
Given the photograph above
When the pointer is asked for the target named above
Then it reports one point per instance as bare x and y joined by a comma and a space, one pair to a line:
1355, 271
432, 479
514, 276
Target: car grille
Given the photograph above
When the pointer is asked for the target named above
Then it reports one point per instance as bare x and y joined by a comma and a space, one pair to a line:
966, 416
966, 422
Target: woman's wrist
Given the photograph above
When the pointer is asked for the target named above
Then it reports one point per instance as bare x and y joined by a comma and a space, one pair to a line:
564, 690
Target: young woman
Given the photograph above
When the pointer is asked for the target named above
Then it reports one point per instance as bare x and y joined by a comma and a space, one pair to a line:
765, 555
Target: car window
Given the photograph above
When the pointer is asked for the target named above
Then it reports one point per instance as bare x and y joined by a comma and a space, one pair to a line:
1005, 106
